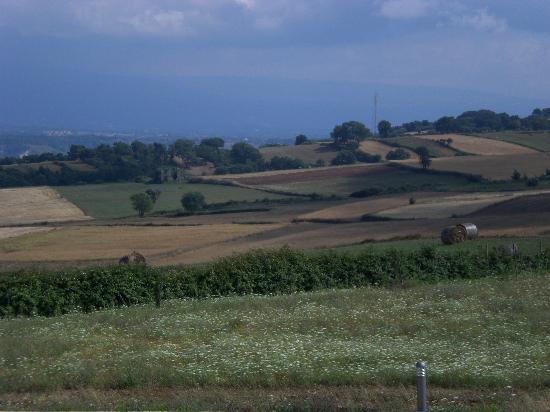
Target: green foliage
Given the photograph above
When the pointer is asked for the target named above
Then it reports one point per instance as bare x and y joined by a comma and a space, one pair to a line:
263, 272
424, 154
351, 132
285, 162
365, 157
384, 128
301, 139
345, 157
398, 154
193, 201
532, 182
142, 203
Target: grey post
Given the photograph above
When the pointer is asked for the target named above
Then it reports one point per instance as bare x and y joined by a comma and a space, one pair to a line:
421, 390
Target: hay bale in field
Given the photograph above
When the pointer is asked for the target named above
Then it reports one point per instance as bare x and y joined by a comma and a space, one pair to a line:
452, 235
133, 258
470, 230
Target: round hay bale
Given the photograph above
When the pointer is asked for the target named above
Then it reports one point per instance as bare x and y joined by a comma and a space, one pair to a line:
452, 235
134, 258
470, 230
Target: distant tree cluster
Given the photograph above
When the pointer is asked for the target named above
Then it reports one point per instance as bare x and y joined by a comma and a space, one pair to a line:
475, 121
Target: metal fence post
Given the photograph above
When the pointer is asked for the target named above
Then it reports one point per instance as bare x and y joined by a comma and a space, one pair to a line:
421, 389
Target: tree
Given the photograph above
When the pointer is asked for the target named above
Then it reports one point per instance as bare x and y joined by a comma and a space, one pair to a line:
142, 203
424, 154
285, 163
245, 153
345, 157
301, 139
351, 132
193, 201
216, 142
154, 194
516, 175
384, 128
446, 124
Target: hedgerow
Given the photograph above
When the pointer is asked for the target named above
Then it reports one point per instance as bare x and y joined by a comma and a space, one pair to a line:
283, 271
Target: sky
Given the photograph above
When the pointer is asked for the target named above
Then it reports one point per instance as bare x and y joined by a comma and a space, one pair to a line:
266, 67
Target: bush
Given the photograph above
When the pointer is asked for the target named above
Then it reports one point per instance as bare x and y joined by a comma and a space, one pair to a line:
373, 191
364, 157
412, 201
345, 157
516, 175
193, 201
532, 182
281, 271
398, 154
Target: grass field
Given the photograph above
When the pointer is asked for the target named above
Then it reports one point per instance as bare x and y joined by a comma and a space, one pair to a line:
308, 153
112, 200
35, 204
535, 140
413, 143
96, 243
485, 335
480, 146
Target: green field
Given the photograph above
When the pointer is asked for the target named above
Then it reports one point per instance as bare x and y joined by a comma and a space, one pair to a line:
535, 140
526, 245
474, 334
413, 143
112, 200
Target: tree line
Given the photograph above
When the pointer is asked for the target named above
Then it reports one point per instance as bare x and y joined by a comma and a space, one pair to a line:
474, 121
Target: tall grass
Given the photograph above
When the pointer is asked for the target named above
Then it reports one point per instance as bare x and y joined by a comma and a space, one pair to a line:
472, 333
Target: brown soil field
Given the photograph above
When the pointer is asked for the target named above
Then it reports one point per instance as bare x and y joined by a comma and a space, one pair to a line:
95, 243
519, 205
379, 148
446, 206
36, 204
479, 145
308, 153
498, 167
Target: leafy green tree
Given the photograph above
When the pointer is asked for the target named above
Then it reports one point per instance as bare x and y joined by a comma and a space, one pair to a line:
301, 139
142, 203
285, 163
193, 201
245, 153
516, 175
384, 128
424, 155
349, 132
446, 124
345, 157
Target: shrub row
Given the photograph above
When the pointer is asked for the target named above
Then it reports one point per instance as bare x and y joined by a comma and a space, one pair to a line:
29, 293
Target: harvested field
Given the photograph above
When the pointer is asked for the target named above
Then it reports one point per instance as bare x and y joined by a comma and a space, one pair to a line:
9, 232
414, 142
480, 146
496, 167
353, 211
110, 243
379, 148
308, 153
36, 204
536, 140
447, 206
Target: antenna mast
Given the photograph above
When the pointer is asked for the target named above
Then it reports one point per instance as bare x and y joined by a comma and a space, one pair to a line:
375, 113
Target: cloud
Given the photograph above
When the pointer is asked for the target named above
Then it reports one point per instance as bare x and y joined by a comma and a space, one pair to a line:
406, 9
481, 20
